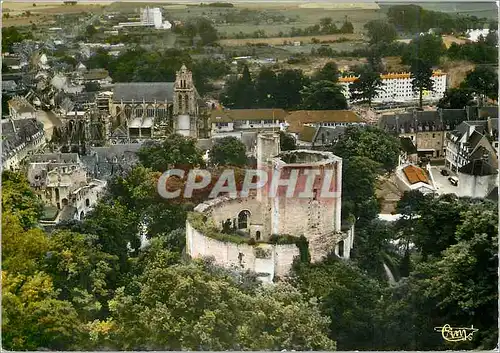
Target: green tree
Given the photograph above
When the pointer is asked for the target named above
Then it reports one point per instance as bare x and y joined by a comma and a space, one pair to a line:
359, 175
22, 250
380, 31
191, 307
291, 83
207, 31
81, 271
19, 199
347, 27
476, 252
324, 95
373, 249
456, 98
346, 295
228, 151
175, 151
266, 87
369, 142
421, 78
90, 31
287, 142
483, 81
33, 318
240, 93
329, 72
428, 47
367, 86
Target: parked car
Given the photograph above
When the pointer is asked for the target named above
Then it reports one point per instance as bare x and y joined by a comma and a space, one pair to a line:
453, 180
444, 172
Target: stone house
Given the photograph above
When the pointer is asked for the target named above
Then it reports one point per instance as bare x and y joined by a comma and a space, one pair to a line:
19, 139
62, 183
426, 129
20, 108
234, 122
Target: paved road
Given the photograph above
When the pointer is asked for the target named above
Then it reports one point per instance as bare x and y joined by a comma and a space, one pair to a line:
441, 182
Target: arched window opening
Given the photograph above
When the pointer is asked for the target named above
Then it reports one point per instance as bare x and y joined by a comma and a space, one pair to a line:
87, 202
82, 215
341, 248
180, 103
257, 235
243, 217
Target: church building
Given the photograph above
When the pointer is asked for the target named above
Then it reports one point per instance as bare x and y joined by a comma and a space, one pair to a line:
145, 110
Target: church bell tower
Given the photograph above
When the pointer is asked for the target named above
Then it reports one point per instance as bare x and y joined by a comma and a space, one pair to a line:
185, 110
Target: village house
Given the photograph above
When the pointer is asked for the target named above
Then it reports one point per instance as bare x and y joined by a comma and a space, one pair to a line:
425, 128
235, 122
472, 155
314, 137
20, 108
61, 182
305, 125
19, 139
99, 76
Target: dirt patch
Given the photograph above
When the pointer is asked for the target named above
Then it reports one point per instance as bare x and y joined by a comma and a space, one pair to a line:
315, 64
457, 71
448, 40
281, 40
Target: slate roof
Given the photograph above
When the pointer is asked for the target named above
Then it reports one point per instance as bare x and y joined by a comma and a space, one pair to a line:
478, 167
307, 134
139, 91
12, 138
21, 105
493, 195
407, 145
479, 126
230, 115
70, 158
407, 120
488, 112
326, 135
9, 85
106, 162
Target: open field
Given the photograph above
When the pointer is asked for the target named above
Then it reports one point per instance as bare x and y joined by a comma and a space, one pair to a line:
281, 40
473, 8
43, 12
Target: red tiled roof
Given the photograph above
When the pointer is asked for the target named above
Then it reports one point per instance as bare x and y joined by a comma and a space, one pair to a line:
415, 175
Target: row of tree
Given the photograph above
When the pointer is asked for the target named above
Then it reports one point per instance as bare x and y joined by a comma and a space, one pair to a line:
140, 65
287, 89
415, 19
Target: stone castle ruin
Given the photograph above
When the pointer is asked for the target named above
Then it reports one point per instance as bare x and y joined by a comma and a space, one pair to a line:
266, 234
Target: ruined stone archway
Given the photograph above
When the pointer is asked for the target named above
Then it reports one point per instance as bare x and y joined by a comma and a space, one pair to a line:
243, 219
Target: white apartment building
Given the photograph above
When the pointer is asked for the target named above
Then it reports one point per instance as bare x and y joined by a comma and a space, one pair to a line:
397, 87
152, 17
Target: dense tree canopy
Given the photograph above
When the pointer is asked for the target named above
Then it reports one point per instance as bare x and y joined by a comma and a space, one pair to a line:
229, 151
380, 31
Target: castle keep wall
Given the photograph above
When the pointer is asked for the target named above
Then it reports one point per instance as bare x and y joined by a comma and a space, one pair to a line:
277, 262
